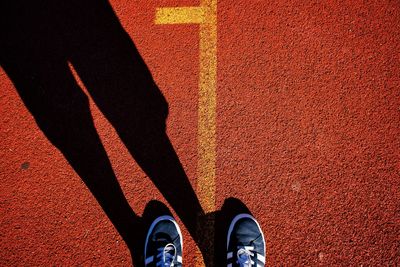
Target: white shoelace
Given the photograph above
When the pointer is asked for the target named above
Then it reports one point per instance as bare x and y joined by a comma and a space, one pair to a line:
244, 255
166, 256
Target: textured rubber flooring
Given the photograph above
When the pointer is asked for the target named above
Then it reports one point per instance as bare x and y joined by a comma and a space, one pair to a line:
308, 137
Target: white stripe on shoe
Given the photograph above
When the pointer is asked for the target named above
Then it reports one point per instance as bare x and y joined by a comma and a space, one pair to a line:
261, 258
179, 259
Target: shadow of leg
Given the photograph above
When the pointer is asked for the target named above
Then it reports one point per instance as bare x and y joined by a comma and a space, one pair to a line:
155, 154
62, 112
123, 88
39, 40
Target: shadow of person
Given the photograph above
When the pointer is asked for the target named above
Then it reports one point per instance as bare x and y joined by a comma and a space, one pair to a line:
40, 39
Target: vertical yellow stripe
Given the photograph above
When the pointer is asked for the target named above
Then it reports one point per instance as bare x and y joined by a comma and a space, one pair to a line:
207, 106
206, 16
206, 168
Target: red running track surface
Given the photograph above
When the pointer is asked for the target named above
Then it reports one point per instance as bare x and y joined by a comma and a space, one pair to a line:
308, 137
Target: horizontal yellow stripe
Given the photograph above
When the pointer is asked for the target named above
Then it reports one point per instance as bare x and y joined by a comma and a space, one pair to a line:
179, 15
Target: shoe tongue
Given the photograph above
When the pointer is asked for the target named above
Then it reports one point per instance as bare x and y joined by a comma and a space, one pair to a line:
246, 232
162, 238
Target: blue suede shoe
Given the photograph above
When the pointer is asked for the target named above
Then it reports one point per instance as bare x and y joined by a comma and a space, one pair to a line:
163, 247
245, 242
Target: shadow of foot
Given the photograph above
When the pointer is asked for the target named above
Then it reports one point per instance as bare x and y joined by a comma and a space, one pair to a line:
212, 229
205, 237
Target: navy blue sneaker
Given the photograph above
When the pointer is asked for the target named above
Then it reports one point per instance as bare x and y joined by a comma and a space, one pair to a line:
245, 243
163, 247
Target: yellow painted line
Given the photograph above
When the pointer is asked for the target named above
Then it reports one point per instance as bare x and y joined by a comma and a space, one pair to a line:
179, 15
207, 106
206, 16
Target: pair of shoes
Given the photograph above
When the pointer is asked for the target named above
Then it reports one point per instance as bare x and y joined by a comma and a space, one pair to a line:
245, 243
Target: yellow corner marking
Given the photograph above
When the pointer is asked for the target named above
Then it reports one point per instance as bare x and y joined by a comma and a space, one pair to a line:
179, 15
206, 16
207, 107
